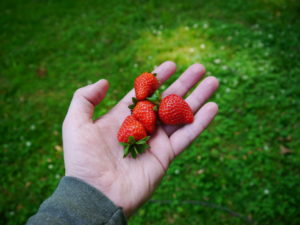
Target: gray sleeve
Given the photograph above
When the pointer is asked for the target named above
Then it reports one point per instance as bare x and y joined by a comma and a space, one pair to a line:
75, 202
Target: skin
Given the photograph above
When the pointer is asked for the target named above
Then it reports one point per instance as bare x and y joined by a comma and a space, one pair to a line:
92, 152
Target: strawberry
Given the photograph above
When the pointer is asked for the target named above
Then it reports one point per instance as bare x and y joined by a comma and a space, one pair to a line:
145, 85
133, 136
145, 112
174, 110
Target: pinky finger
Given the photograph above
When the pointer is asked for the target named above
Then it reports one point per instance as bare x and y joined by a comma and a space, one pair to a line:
185, 135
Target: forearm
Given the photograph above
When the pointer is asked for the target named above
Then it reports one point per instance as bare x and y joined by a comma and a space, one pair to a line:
76, 202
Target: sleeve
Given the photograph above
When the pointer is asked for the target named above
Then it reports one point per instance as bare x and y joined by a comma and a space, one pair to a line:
75, 202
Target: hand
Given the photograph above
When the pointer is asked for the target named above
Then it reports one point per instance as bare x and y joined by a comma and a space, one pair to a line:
92, 152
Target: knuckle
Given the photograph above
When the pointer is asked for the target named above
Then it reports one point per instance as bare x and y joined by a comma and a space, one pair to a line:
78, 92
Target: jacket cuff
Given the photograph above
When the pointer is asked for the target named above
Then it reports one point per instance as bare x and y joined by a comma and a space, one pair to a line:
76, 202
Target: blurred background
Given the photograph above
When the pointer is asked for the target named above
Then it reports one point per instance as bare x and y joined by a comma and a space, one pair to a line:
244, 169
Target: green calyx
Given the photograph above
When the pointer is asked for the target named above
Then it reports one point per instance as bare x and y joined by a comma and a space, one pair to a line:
134, 147
134, 102
155, 98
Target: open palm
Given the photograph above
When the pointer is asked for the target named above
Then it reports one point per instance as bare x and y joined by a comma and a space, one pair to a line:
92, 152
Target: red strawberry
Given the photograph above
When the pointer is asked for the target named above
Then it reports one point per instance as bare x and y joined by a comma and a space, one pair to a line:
174, 110
133, 136
144, 111
131, 127
145, 85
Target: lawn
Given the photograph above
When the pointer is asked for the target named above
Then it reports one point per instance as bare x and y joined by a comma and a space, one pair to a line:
244, 169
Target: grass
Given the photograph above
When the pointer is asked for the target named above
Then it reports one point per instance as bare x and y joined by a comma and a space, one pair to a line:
243, 170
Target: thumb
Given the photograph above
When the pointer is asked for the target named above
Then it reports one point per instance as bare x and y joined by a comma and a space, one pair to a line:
84, 101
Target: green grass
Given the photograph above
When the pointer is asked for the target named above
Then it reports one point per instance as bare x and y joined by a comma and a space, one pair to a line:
237, 171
